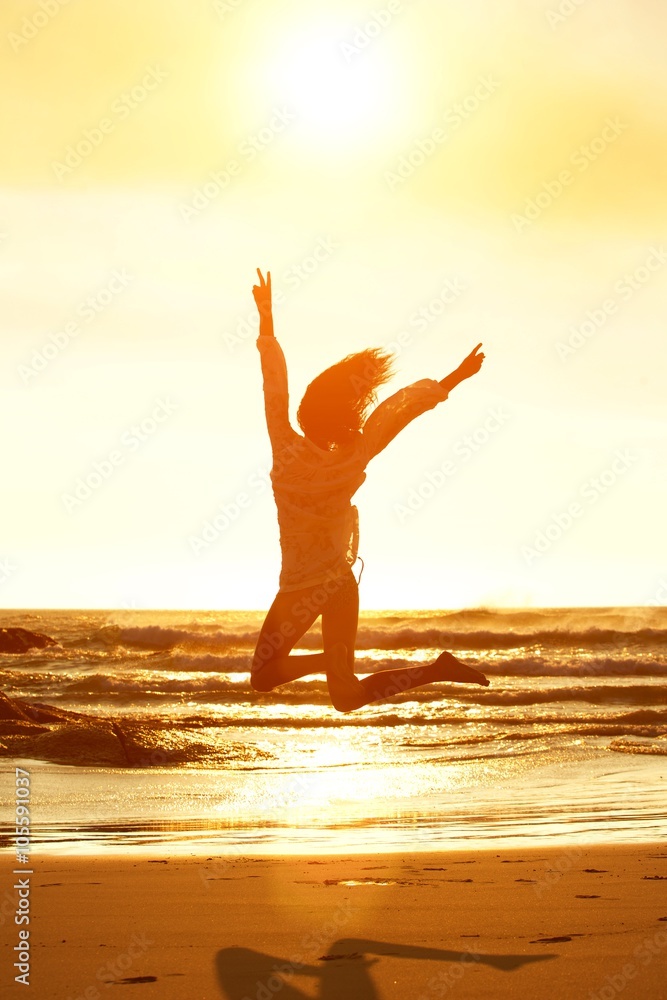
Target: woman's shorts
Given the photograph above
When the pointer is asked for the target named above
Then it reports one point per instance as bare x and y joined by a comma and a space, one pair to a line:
343, 592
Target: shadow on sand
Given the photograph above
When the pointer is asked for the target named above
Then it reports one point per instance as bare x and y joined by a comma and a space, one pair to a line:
245, 974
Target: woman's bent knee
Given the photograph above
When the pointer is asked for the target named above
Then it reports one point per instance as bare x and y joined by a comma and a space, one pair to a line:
259, 680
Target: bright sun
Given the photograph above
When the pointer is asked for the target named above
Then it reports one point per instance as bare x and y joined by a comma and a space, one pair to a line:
341, 94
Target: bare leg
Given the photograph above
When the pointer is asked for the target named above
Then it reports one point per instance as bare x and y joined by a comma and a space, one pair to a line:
339, 635
386, 683
289, 618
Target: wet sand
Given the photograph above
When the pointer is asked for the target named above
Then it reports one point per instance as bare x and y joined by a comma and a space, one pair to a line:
579, 922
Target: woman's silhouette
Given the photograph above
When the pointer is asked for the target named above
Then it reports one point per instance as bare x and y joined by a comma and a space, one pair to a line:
314, 477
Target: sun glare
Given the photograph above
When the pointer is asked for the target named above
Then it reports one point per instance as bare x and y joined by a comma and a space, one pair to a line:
341, 91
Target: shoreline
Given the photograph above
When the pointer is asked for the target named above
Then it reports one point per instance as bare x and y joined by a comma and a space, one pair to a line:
197, 848
522, 804
585, 922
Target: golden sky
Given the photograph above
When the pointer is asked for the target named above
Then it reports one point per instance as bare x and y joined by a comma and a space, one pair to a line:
438, 172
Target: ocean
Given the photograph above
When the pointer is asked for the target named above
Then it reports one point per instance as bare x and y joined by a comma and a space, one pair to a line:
174, 750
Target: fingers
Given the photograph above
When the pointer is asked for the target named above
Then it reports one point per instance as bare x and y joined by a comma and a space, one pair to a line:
264, 284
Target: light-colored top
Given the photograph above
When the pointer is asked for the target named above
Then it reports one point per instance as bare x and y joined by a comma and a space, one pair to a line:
319, 527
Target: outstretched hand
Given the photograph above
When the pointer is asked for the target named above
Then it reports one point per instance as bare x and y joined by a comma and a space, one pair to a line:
472, 364
262, 294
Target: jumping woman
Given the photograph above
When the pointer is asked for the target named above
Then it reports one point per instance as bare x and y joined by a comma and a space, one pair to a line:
314, 477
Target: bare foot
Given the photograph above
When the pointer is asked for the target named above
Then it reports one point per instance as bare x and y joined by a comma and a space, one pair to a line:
345, 690
452, 669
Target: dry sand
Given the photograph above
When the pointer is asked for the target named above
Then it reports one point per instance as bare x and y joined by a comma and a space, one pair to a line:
534, 924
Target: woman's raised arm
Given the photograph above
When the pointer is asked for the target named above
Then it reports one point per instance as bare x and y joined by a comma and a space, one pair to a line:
396, 412
468, 367
262, 295
274, 370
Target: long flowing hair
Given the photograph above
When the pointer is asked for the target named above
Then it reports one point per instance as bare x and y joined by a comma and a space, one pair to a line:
334, 405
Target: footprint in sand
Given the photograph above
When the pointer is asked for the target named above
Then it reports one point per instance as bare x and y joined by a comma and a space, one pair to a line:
134, 979
587, 897
555, 940
334, 958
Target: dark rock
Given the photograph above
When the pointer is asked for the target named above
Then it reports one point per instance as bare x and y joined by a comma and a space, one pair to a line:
10, 710
82, 745
20, 640
17, 727
47, 713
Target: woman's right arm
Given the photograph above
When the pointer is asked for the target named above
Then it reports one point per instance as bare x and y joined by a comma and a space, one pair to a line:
262, 296
274, 370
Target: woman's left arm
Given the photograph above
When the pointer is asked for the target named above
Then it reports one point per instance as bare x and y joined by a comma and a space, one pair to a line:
468, 367
390, 417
